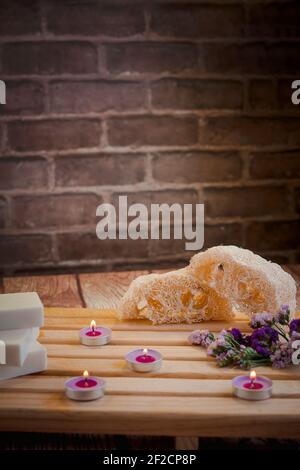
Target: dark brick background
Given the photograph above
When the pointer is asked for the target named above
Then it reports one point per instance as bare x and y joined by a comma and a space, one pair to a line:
166, 101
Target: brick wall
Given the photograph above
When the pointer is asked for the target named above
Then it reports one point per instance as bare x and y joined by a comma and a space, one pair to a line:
165, 101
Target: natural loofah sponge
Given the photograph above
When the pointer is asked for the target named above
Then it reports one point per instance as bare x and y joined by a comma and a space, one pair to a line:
173, 297
251, 283
217, 283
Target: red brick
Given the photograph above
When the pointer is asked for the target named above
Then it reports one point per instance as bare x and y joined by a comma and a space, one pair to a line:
249, 58
263, 94
24, 249
23, 173
196, 167
19, 17
53, 134
222, 234
278, 165
152, 130
277, 235
27, 58
169, 248
285, 96
23, 98
245, 202
197, 21
273, 19
96, 96
93, 18
3, 212
150, 57
86, 246
244, 131
197, 94
62, 210
171, 196
98, 170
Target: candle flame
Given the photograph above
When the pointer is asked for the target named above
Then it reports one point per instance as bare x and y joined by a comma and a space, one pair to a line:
85, 374
145, 351
252, 375
93, 325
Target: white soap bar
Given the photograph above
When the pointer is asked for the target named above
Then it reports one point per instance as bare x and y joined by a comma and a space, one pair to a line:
2, 352
21, 310
17, 344
36, 361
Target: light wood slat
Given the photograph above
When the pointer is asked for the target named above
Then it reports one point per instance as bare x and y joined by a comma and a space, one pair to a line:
60, 290
119, 325
108, 318
179, 369
104, 290
130, 338
127, 414
182, 353
139, 386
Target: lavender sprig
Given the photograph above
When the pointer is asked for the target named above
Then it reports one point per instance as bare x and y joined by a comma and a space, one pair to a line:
269, 343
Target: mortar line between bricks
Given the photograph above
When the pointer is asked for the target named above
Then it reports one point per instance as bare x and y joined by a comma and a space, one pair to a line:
209, 222
149, 185
142, 40
141, 76
155, 112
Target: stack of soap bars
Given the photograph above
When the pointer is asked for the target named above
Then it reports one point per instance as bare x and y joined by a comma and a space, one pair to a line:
21, 316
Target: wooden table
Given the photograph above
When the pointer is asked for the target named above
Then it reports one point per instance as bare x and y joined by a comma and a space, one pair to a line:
190, 396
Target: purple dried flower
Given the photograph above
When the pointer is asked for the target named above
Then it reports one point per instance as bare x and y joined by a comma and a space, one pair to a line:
283, 316
294, 335
261, 319
225, 358
282, 356
263, 340
201, 337
295, 326
237, 334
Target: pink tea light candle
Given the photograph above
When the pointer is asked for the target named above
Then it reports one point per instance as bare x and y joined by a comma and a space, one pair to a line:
252, 387
85, 388
144, 360
95, 335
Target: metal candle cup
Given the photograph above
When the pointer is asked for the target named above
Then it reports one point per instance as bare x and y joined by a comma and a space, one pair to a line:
253, 387
144, 360
95, 335
85, 388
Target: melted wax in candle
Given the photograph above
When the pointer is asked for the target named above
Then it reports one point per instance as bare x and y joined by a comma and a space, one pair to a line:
95, 332
86, 383
253, 385
145, 358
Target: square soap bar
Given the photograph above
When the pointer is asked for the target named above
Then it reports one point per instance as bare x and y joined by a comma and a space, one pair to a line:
36, 361
21, 310
17, 344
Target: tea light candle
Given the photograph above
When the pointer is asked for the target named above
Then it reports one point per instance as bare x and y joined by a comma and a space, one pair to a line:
85, 388
95, 335
144, 360
252, 387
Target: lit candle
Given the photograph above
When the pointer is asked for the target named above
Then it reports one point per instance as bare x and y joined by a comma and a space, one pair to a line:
95, 335
252, 387
84, 388
144, 360
253, 384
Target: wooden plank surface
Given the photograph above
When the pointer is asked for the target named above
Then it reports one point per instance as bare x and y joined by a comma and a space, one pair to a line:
59, 290
189, 396
104, 290
143, 414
